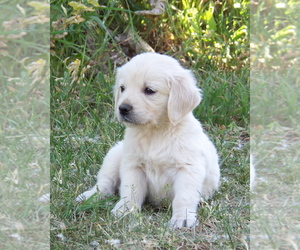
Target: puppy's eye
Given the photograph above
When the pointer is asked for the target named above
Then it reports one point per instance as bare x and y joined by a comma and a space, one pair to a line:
149, 91
122, 88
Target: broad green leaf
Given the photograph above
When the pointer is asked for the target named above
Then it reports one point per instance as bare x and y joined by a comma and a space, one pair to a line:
94, 3
78, 7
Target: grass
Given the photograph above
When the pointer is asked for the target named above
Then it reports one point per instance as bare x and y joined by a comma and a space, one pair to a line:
24, 127
275, 131
84, 128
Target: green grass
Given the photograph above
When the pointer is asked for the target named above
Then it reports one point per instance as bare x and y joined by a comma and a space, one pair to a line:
84, 128
275, 118
226, 97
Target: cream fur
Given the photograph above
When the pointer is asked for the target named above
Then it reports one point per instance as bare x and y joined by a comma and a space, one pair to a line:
165, 155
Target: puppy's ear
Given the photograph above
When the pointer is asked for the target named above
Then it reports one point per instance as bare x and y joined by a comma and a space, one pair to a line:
184, 96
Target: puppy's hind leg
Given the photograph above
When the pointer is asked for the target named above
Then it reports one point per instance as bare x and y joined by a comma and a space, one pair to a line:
108, 179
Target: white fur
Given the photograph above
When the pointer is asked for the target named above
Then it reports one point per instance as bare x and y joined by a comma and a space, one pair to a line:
165, 155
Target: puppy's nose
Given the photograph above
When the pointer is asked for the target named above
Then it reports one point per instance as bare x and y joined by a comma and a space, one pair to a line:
125, 109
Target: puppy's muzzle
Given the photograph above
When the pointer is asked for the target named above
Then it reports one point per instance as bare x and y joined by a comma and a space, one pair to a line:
125, 109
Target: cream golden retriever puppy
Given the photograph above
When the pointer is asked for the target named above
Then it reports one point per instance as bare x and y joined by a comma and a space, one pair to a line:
165, 155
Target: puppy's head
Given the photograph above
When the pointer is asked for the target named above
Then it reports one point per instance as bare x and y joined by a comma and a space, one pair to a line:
154, 89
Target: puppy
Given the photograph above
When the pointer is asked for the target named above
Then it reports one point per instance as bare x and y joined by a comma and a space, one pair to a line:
165, 155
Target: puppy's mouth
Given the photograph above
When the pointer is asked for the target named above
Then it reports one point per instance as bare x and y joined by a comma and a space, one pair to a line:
128, 119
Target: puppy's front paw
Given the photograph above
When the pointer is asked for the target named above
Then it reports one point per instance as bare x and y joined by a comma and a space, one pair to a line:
123, 208
183, 221
84, 196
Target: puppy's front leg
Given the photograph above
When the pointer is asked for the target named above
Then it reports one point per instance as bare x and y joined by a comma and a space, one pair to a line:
187, 188
133, 191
